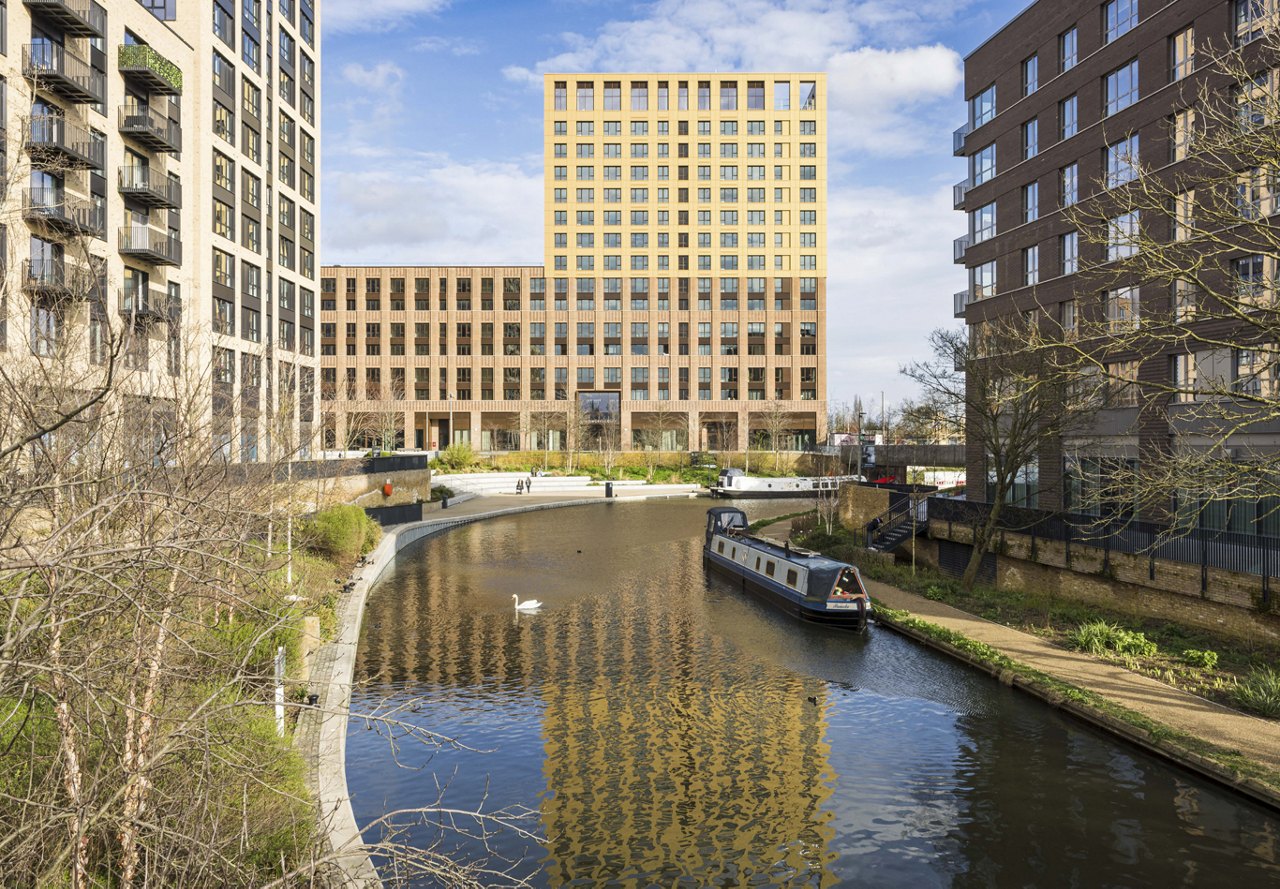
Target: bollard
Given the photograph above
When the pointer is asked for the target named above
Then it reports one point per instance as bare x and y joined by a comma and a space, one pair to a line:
444, 502
608, 490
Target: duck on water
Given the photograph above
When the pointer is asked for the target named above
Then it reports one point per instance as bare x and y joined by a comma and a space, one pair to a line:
804, 583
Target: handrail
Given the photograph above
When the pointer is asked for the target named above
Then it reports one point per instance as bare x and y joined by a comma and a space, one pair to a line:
891, 518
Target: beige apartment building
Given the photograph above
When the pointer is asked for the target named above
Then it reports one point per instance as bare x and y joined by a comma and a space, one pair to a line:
165, 167
681, 301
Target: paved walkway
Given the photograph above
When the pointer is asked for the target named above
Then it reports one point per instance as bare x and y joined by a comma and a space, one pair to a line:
1258, 739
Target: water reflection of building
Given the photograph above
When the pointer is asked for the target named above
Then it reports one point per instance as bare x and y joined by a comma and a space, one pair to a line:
666, 752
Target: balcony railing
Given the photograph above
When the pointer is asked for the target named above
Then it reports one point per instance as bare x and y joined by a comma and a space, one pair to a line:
55, 141
957, 140
153, 130
143, 64
51, 68
958, 192
57, 278
961, 300
79, 18
143, 303
958, 248
150, 187
150, 245
53, 207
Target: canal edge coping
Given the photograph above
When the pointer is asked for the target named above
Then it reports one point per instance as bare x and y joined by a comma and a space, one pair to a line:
1163, 748
322, 730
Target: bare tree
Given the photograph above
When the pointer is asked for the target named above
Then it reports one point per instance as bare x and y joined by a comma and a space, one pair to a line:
776, 421
542, 425
1020, 391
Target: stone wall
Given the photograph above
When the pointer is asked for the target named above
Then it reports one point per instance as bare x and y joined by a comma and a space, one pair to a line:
860, 504
1231, 602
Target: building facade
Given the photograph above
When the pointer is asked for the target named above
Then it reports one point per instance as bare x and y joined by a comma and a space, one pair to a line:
682, 295
166, 168
1067, 102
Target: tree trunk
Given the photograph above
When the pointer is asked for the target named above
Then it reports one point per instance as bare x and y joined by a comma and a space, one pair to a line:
981, 541
72, 778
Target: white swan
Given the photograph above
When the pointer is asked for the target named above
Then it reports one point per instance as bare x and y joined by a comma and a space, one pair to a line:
527, 604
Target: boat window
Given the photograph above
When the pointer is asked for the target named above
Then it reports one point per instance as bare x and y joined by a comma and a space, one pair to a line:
768, 568
757, 563
733, 553
720, 547
791, 577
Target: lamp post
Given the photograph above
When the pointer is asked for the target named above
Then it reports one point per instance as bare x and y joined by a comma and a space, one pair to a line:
859, 444
451, 436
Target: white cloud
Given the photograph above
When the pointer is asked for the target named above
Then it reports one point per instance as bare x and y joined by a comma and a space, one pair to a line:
378, 15
457, 46
382, 77
889, 282
879, 97
434, 210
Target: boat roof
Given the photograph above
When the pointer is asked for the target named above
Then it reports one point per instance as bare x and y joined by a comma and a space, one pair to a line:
811, 560
724, 510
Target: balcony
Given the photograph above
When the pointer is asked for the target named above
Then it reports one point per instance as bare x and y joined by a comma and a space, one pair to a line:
78, 18
145, 66
149, 187
150, 129
56, 279
146, 304
54, 141
150, 245
53, 208
958, 191
957, 140
52, 69
961, 301
958, 248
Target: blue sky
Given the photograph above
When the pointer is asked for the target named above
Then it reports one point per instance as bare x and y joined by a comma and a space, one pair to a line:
432, 136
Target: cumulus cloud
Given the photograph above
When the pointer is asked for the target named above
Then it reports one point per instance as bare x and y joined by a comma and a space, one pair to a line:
382, 77
380, 15
879, 96
456, 46
434, 209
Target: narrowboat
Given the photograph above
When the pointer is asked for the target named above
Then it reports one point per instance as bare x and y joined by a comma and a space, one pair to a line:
733, 484
806, 584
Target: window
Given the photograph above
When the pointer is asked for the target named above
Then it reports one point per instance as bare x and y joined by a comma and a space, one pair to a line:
1250, 186
224, 122
1030, 138
1031, 202
982, 280
1182, 377
1122, 161
249, 51
1068, 117
1181, 134
1122, 383
1182, 54
1031, 265
1067, 49
1122, 236
1250, 284
586, 96
1069, 252
1251, 18
224, 25
982, 165
782, 96
1121, 87
1069, 184
1122, 308
223, 219
982, 223
808, 97
982, 107
1030, 75
1067, 317
1184, 209
1118, 17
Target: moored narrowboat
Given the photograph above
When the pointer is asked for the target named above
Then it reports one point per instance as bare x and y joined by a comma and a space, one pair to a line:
806, 584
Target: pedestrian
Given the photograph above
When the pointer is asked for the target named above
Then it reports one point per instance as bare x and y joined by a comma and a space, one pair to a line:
528, 485
519, 486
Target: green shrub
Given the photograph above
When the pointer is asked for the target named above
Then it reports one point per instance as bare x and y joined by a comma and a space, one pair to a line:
440, 491
1260, 692
341, 532
1204, 659
457, 457
1101, 638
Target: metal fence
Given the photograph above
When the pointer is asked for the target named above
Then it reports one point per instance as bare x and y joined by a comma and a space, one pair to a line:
1256, 554
395, 515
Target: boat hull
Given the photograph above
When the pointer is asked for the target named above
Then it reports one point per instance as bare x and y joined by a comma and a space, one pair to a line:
736, 494
787, 600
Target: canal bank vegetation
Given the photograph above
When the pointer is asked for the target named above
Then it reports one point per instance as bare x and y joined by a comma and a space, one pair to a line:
1230, 670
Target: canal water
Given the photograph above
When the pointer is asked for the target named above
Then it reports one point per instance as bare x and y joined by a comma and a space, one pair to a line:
656, 726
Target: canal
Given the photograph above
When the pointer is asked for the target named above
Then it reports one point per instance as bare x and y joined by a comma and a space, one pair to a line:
655, 726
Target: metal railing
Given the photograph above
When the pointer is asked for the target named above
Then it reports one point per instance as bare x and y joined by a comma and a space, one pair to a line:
150, 243
148, 303
52, 133
1243, 553
80, 18
152, 129
150, 186
53, 206
52, 68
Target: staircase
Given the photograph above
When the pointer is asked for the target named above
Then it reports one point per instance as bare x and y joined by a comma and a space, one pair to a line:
894, 527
